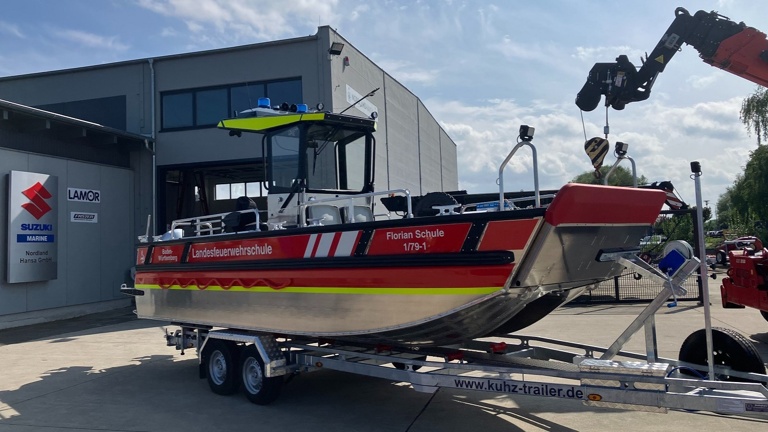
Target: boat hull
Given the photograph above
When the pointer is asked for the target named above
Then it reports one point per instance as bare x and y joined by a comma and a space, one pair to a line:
424, 281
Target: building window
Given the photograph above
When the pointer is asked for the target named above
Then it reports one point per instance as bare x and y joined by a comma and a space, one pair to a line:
225, 191
205, 107
177, 110
211, 107
244, 97
284, 91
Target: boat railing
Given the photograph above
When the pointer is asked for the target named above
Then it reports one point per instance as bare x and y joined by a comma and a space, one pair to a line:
349, 204
524, 139
621, 154
209, 225
509, 204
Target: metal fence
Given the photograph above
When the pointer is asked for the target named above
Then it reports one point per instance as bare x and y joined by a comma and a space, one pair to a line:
627, 288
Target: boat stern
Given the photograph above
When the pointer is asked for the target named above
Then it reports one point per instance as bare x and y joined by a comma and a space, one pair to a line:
582, 222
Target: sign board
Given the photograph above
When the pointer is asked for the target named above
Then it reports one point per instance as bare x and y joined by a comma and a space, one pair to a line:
84, 217
84, 195
32, 227
364, 106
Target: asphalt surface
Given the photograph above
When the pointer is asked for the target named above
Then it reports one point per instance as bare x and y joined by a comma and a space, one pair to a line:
113, 372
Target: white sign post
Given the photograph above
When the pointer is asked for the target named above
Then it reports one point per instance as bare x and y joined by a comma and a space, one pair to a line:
32, 227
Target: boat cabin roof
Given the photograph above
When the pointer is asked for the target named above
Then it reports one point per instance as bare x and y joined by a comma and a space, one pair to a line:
270, 123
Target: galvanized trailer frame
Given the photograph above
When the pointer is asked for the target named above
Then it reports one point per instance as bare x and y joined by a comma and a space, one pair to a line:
515, 364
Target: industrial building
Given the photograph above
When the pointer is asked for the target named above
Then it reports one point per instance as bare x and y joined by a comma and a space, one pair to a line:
142, 134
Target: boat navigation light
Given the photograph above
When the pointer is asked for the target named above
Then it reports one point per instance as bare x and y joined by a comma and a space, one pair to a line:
526, 133
264, 102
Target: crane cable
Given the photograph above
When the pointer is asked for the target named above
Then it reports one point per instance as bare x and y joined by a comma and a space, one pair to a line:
596, 148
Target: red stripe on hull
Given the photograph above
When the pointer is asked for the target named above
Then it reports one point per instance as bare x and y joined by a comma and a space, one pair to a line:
507, 235
394, 277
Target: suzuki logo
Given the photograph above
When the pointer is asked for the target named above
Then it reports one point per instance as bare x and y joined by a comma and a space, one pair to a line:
37, 194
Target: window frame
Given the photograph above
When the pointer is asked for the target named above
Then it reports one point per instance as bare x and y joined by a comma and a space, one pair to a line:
228, 87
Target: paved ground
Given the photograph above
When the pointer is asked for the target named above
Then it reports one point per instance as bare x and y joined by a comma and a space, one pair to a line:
112, 372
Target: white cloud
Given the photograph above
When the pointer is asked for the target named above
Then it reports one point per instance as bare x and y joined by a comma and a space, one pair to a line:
11, 29
235, 22
169, 32
699, 82
408, 73
604, 53
663, 141
91, 40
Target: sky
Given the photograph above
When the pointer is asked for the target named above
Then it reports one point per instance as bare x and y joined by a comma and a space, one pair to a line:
482, 68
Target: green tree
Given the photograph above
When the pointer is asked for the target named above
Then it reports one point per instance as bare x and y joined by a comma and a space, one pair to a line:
743, 208
754, 114
620, 177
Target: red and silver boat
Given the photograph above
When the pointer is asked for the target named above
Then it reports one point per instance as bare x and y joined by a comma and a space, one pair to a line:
437, 269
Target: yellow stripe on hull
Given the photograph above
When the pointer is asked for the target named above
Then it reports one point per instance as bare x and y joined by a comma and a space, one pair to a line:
336, 290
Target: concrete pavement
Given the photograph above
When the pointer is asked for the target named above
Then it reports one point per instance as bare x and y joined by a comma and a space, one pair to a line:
112, 372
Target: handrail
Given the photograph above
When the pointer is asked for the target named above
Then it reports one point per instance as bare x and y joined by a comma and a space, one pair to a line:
350, 202
616, 164
490, 205
535, 174
211, 224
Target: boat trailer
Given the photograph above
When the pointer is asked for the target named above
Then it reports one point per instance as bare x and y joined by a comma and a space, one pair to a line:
514, 364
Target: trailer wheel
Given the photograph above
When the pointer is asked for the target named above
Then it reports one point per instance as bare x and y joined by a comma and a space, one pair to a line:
258, 388
220, 366
764, 314
730, 349
721, 258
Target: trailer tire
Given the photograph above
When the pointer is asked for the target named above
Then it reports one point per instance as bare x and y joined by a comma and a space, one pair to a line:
730, 349
220, 366
764, 314
257, 388
721, 258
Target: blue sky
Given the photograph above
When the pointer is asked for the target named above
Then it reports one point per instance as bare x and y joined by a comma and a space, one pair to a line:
482, 68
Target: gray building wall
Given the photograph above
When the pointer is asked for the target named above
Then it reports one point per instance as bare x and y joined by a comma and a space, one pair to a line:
93, 259
410, 153
412, 150
449, 168
295, 58
130, 79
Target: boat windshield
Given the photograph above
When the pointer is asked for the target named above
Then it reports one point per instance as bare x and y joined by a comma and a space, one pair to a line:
283, 155
334, 158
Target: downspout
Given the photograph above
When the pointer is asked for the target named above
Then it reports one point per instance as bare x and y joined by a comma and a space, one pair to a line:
154, 143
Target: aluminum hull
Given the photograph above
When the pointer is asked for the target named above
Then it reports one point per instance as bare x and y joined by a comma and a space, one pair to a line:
365, 281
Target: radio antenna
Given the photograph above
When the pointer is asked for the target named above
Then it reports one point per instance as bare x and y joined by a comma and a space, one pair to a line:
371, 93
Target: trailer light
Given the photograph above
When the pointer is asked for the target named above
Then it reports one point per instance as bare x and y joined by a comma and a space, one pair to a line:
498, 347
263, 102
594, 397
457, 355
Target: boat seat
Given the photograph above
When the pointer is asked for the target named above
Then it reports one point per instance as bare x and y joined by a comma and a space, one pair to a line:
360, 213
323, 214
243, 218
